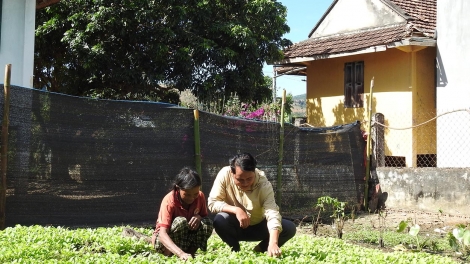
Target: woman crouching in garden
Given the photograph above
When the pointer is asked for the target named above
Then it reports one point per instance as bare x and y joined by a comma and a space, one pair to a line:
183, 225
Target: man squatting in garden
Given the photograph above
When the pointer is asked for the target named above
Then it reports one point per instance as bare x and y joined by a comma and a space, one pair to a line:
243, 199
183, 224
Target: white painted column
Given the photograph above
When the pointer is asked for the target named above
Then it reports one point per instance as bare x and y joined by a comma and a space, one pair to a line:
17, 40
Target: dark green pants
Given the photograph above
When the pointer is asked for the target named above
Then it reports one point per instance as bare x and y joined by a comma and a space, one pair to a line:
185, 238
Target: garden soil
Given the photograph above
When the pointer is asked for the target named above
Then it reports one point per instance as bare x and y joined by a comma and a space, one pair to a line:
430, 223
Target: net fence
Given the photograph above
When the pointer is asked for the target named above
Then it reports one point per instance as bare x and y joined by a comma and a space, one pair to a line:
425, 139
81, 161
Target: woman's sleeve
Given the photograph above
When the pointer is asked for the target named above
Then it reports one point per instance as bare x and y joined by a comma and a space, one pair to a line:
166, 213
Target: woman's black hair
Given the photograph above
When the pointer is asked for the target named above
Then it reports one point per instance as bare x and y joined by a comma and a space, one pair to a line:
245, 161
187, 179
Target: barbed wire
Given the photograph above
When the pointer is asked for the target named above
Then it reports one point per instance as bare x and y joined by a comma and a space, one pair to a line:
425, 122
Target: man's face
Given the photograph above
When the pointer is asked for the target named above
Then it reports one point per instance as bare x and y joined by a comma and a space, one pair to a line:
243, 179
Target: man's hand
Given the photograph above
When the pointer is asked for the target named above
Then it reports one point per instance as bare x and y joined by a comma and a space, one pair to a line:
243, 218
273, 247
195, 222
274, 250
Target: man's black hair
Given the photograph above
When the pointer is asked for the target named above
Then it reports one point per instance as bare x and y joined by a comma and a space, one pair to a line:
245, 161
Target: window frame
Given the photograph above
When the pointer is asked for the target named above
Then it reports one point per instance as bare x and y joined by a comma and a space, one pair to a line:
354, 84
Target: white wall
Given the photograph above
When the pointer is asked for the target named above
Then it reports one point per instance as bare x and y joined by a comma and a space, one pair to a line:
351, 15
426, 189
17, 41
453, 87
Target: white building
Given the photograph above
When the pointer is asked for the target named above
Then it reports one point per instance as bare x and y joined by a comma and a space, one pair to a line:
453, 89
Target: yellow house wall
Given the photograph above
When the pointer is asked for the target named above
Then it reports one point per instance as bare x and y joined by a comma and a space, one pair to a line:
424, 98
394, 94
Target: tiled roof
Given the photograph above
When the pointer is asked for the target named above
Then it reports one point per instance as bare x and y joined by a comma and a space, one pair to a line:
422, 15
45, 3
292, 70
346, 42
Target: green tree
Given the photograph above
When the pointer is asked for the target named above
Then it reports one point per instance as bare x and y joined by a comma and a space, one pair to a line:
135, 49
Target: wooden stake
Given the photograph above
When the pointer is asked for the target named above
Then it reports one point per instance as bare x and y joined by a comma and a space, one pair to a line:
366, 188
4, 154
281, 152
197, 143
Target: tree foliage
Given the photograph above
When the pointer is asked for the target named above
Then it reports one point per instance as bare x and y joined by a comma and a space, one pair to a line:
135, 49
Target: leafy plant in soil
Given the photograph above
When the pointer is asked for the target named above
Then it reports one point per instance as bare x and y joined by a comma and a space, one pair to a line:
316, 221
413, 231
459, 240
338, 216
382, 226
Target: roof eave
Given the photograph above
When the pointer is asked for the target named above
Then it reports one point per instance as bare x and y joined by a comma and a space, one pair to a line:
330, 56
302, 71
412, 41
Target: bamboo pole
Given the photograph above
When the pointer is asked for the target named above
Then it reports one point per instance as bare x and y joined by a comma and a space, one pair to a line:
281, 152
366, 188
4, 154
197, 142
274, 85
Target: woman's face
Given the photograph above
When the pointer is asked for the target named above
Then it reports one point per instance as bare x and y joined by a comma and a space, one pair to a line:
189, 195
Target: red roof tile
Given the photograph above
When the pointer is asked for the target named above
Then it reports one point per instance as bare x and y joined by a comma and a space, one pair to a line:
424, 13
346, 42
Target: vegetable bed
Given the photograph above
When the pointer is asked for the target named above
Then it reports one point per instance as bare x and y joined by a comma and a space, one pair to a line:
37, 244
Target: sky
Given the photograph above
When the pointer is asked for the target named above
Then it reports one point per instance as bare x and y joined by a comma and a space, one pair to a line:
302, 16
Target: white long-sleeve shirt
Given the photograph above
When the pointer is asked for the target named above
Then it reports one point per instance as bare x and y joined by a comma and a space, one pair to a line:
259, 203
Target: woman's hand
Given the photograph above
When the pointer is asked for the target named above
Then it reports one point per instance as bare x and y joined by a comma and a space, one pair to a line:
195, 222
184, 256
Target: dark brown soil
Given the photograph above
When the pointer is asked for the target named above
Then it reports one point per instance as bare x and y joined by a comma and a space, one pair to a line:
428, 222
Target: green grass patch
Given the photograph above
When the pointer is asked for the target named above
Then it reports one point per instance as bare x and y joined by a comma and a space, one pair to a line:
37, 244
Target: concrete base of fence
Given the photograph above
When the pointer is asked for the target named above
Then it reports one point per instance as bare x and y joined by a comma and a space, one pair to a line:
427, 189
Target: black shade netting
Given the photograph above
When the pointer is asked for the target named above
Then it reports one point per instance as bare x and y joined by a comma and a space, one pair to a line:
81, 161
75, 160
